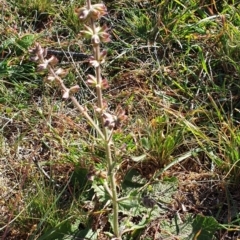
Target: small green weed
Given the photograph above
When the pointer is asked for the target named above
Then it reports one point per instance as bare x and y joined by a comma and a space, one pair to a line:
162, 139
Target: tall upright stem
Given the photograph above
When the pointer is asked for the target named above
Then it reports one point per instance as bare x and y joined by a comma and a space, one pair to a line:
107, 141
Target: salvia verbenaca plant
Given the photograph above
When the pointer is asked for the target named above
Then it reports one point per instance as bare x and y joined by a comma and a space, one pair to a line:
108, 122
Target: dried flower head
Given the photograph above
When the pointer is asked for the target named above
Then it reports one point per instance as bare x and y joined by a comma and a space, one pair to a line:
103, 109
87, 32
60, 72
100, 34
95, 12
103, 34
98, 10
91, 80
37, 53
45, 62
96, 63
70, 91
53, 61
83, 13
105, 84
114, 121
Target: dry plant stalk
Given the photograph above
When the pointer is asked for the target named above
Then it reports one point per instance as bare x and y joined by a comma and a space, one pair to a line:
108, 122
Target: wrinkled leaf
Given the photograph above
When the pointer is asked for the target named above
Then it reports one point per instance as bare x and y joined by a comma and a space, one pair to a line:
132, 180
101, 193
204, 227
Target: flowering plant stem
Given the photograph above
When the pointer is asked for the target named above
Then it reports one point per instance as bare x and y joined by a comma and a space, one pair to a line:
108, 122
107, 134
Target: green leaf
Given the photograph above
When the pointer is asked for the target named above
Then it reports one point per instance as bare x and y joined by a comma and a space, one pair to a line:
58, 232
129, 204
101, 193
132, 180
26, 41
176, 227
80, 176
204, 227
169, 144
145, 142
86, 234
